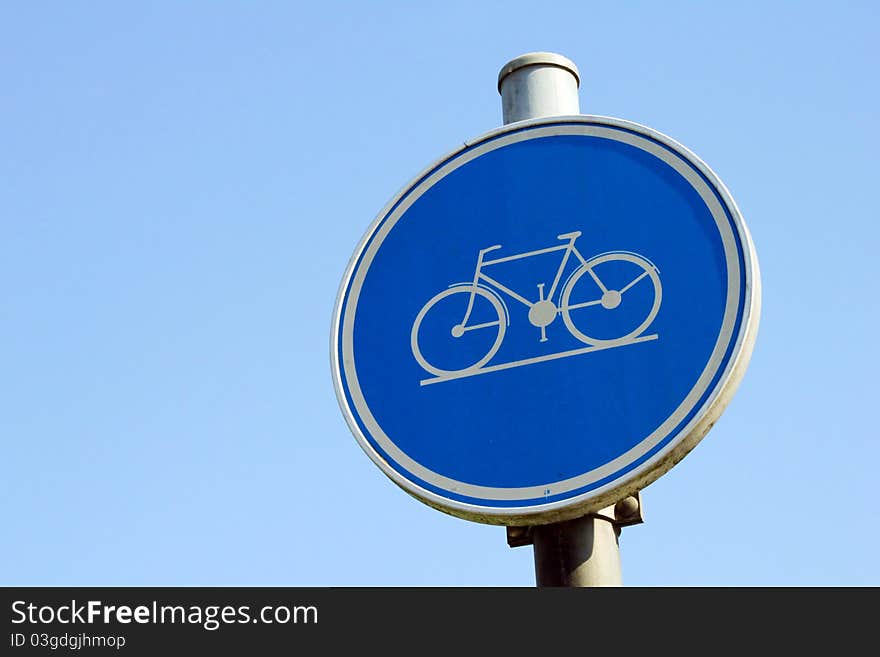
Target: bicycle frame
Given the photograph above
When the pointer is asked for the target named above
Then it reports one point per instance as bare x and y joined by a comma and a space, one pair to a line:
480, 275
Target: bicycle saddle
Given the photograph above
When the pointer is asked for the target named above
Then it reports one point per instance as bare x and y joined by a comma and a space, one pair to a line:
569, 236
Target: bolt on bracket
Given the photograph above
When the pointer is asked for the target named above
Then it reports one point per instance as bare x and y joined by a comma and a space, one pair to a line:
627, 512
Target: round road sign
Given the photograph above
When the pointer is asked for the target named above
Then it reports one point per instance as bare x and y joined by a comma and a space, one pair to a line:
545, 320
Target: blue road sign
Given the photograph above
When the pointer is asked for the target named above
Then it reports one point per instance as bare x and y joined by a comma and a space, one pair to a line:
545, 320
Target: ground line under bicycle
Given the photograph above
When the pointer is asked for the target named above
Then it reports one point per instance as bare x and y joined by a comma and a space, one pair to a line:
532, 361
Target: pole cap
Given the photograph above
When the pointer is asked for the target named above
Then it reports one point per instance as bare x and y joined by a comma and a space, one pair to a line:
538, 59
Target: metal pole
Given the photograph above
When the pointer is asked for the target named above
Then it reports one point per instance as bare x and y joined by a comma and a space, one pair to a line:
538, 84
579, 552
583, 551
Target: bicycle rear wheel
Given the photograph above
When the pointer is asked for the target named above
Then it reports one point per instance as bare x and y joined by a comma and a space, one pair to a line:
442, 345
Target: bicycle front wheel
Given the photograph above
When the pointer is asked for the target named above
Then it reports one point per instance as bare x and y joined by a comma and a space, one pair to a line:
444, 343
611, 299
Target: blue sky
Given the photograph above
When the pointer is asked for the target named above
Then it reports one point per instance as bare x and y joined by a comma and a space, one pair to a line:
182, 185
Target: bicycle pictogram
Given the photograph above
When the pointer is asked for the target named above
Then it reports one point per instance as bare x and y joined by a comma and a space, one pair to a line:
582, 293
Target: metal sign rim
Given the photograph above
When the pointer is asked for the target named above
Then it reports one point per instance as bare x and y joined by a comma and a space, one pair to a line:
657, 464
